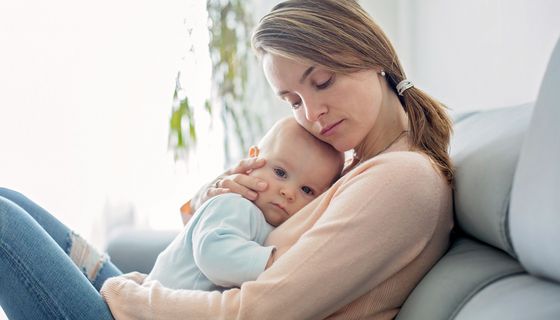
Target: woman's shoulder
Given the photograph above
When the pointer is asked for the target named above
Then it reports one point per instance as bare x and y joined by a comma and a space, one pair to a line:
414, 158
402, 181
408, 171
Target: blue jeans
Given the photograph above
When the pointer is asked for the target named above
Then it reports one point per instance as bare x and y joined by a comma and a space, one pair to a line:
46, 270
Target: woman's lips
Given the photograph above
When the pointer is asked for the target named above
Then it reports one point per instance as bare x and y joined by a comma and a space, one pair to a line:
328, 130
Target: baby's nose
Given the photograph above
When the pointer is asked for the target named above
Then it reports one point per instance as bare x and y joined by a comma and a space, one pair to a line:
288, 194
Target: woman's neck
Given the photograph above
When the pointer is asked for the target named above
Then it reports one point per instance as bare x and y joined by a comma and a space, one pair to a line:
390, 127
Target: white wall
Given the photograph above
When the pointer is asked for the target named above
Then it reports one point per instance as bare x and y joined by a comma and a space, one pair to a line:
472, 54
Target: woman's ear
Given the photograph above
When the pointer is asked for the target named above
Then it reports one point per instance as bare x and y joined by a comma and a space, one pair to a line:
253, 151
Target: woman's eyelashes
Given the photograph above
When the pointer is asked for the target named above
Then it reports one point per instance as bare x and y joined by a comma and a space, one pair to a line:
319, 86
325, 84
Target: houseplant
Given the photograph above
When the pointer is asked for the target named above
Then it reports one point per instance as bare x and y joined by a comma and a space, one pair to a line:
229, 25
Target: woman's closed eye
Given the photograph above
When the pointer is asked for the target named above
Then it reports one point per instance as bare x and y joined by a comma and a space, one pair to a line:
293, 100
325, 84
296, 105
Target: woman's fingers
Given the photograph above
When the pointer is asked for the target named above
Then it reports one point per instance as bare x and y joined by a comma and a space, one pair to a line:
237, 181
246, 165
234, 180
212, 192
245, 185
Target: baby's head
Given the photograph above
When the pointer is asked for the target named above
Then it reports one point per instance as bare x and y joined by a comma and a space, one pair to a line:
299, 167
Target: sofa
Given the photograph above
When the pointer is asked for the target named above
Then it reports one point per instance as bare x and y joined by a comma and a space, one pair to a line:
504, 258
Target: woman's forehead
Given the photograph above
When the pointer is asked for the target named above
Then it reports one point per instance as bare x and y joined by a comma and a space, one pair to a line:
282, 72
283, 65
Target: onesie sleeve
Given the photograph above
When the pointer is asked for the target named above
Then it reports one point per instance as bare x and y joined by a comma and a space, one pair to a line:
375, 225
228, 241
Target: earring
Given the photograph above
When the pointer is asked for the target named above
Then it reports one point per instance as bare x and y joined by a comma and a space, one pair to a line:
382, 73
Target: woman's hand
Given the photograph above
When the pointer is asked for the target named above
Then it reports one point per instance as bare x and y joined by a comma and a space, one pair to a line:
234, 180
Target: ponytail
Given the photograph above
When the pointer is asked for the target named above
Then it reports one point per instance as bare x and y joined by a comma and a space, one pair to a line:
430, 128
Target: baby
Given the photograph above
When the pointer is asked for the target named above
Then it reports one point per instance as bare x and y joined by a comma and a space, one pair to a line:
222, 245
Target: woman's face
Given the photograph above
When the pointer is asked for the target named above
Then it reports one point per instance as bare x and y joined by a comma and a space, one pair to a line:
338, 109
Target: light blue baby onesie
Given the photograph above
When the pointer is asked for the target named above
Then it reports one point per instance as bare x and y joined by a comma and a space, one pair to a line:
220, 247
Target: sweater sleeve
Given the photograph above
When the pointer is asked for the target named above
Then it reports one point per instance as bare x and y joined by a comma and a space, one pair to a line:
376, 223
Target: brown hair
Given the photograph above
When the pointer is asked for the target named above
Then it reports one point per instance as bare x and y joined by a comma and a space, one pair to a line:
340, 36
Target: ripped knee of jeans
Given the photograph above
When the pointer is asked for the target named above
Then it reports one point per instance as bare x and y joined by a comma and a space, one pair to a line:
85, 256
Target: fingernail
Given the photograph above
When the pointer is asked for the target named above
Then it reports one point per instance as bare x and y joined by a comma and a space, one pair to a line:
252, 195
261, 185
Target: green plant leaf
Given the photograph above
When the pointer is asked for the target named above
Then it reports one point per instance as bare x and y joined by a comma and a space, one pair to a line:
230, 26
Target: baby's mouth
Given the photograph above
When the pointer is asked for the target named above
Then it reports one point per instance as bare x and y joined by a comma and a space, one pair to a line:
281, 208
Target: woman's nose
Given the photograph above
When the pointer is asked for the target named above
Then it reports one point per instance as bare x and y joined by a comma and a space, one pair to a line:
313, 109
287, 193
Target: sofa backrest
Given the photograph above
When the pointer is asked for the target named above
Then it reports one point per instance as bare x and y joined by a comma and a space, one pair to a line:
534, 222
485, 150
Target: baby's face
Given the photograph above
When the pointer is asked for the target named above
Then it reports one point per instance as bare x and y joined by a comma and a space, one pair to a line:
296, 173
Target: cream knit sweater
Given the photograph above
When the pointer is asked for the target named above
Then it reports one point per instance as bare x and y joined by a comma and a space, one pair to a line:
355, 252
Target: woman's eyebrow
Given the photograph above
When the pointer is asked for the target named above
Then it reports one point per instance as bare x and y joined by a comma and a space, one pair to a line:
306, 73
303, 76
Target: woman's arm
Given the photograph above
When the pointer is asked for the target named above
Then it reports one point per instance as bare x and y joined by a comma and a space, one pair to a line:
376, 224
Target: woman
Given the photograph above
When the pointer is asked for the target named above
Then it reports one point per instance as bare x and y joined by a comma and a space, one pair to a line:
359, 249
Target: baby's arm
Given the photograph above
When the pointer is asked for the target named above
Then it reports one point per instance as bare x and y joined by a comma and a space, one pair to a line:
227, 241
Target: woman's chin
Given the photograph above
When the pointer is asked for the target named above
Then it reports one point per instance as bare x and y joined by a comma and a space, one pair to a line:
341, 146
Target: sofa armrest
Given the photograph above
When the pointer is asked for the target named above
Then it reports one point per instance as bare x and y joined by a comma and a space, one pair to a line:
132, 249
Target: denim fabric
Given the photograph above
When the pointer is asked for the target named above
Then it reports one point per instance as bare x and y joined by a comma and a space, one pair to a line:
38, 280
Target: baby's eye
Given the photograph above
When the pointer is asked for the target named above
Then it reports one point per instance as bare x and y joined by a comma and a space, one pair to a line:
280, 172
307, 190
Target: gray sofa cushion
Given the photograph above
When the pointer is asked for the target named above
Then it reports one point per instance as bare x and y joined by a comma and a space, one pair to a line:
535, 203
133, 249
465, 270
485, 148
520, 297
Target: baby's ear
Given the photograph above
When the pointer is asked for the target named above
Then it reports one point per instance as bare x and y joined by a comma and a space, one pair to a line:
253, 151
